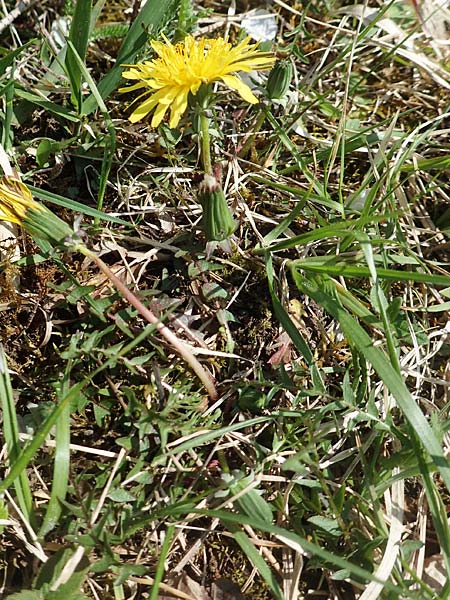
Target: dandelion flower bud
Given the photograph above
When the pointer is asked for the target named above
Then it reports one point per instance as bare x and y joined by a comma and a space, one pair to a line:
279, 80
217, 222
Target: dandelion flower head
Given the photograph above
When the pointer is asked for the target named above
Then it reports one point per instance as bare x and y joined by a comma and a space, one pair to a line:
182, 68
15, 200
17, 205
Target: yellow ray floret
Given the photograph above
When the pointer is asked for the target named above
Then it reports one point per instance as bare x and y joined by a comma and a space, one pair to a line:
15, 200
18, 206
182, 68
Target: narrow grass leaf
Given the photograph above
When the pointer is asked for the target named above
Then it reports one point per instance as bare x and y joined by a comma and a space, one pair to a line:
298, 192
381, 363
308, 546
80, 30
51, 107
286, 222
61, 464
290, 146
7, 132
7, 61
75, 206
341, 229
255, 558
110, 145
164, 551
208, 436
427, 164
285, 320
95, 14
357, 307
329, 266
11, 433
436, 506
380, 299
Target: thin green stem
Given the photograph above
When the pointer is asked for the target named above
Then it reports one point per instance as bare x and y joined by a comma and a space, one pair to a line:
154, 595
178, 345
205, 143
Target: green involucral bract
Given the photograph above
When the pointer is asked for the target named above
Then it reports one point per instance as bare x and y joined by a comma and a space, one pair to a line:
279, 80
43, 224
218, 223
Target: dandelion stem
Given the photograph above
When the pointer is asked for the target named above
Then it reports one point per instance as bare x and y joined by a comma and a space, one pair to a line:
205, 143
178, 345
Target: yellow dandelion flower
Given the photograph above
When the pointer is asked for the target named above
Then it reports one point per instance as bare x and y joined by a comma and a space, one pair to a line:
15, 200
182, 68
17, 205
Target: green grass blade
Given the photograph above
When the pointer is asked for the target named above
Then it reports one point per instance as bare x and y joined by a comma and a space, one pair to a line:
149, 21
289, 326
75, 206
300, 542
284, 138
208, 436
381, 363
62, 461
161, 560
327, 266
255, 558
11, 433
299, 192
341, 229
52, 107
437, 508
286, 222
380, 300
80, 30
357, 307
110, 144
428, 164
7, 132
8, 60
95, 14
285, 319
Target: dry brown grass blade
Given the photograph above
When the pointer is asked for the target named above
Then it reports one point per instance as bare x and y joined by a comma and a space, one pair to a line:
21, 7
180, 347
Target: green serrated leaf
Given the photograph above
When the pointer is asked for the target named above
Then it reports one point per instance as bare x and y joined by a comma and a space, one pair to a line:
125, 571
329, 525
251, 503
121, 495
